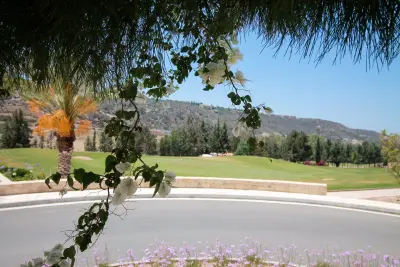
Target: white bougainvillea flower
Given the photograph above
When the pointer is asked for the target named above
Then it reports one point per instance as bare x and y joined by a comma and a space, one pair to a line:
236, 131
239, 76
235, 56
268, 110
170, 88
215, 73
118, 197
122, 167
127, 186
164, 189
240, 130
64, 263
38, 262
54, 255
170, 178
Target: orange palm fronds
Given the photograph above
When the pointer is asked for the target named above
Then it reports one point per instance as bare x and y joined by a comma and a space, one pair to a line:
52, 92
46, 122
57, 121
83, 127
61, 108
88, 106
85, 106
64, 126
35, 106
38, 130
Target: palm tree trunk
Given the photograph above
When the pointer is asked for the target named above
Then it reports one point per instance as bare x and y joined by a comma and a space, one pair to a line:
65, 147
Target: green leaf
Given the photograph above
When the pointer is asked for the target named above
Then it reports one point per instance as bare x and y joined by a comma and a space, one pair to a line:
111, 161
185, 49
202, 49
70, 181
131, 90
153, 181
247, 98
81, 222
69, 252
56, 177
156, 189
157, 67
208, 87
47, 182
132, 158
79, 175
103, 215
146, 176
119, 114
236, 100
89, 178
160, 175
232, 95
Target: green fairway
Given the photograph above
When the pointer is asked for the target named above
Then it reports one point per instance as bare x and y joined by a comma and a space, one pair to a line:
231, 167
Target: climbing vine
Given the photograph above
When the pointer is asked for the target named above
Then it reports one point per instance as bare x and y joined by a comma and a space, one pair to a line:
192, 46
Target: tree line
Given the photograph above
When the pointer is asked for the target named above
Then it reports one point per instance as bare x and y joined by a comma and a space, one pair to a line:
300, 147
195, 138
146, 142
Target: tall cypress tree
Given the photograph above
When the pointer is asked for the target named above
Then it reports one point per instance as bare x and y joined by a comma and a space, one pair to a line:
216, 137
41, 141
318, 151
224, 138
88, 144
94, 141
16, 131
327, 150
106, 143
204, 139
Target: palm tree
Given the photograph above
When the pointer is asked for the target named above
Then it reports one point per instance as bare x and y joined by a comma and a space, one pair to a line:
61, 109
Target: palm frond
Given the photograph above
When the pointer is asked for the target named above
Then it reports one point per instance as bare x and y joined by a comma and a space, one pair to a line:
98, 42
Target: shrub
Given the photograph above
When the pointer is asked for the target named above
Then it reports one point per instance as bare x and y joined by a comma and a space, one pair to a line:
322, 163
20, 174
243, 149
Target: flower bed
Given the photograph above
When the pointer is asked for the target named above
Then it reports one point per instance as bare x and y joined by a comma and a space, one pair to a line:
246, 254
21, 174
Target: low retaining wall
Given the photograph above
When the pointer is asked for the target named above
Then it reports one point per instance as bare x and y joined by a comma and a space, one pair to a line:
182, 182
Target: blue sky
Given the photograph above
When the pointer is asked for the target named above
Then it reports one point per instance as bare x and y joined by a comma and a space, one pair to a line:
345, 92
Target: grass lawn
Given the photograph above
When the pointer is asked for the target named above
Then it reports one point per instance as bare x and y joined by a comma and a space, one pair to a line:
230, 167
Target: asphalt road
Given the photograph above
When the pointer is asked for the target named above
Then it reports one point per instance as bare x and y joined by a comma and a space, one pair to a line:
25, 233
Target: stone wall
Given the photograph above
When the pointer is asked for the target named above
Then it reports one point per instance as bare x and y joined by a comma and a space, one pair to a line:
182, 182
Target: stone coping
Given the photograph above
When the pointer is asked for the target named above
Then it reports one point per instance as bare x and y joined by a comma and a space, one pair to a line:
38, 186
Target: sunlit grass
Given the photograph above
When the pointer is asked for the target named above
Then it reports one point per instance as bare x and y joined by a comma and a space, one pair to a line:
228, 167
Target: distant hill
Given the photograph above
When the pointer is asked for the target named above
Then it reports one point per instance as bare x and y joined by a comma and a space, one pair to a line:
166, 115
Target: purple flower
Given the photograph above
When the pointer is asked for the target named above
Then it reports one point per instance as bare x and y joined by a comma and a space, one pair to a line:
386, 258
251, 252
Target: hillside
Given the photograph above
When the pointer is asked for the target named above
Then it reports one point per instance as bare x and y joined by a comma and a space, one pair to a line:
166, 115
